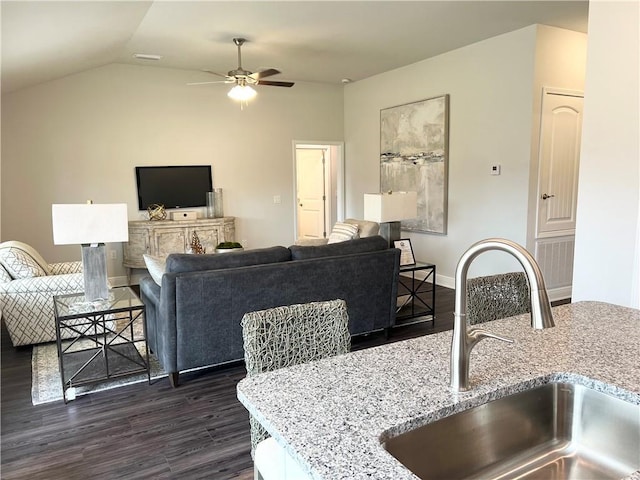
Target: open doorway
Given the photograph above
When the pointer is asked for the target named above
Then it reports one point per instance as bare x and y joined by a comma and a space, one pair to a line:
319, 187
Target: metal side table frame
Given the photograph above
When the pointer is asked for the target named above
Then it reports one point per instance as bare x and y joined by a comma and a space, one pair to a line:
420, 310
104, 343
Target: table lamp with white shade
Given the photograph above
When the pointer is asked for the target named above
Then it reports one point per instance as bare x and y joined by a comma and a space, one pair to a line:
91, 225
388, 208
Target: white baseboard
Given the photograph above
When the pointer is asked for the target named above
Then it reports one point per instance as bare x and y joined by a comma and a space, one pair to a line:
448, 282
561, 293
555, 294
441, 280
120, 281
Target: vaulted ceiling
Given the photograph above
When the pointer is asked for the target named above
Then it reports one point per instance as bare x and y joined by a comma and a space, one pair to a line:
316, 41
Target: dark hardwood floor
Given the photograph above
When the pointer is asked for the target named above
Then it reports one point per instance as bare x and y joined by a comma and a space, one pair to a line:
199, 430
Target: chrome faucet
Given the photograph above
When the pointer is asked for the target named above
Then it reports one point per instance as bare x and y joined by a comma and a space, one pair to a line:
464, 340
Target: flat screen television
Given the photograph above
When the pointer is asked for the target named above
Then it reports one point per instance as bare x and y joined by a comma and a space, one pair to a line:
173, 186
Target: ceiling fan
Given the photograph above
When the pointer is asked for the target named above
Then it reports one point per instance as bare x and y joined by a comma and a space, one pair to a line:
243, 79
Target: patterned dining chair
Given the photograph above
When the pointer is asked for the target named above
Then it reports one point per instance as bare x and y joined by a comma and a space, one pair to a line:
285, 336
497, 296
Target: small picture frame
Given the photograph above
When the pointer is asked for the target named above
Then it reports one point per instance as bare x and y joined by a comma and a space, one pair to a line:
406, 251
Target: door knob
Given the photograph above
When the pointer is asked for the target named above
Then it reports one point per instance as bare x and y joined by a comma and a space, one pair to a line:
545, 196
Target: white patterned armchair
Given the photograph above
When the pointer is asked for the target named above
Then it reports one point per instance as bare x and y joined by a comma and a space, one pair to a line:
27, 286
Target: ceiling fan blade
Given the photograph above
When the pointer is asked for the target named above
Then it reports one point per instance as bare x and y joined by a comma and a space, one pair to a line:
207, 83
216, 73
276, 84
264, 73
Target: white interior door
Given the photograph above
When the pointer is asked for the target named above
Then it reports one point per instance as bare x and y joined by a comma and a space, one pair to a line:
560, 135
311, 193
559, 163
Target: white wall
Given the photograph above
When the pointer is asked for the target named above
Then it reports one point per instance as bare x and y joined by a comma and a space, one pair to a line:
81, 136
490, 84
495, 88
607, 256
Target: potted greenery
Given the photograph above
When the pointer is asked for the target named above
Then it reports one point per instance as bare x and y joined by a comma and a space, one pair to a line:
224, 247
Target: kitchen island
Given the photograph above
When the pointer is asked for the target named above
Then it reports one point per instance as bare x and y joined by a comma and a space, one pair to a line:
332, 415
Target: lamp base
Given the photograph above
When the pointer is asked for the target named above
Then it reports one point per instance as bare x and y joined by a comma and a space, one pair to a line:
390, 231
94, 267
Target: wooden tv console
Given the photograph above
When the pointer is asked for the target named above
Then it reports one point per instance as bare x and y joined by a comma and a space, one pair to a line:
162, 237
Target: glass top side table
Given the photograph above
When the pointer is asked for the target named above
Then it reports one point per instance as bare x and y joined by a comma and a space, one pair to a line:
101, 340
73, 305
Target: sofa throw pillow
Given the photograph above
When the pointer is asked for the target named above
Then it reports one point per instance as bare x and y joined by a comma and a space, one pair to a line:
366, 228
19, 264
342, 232
156, 266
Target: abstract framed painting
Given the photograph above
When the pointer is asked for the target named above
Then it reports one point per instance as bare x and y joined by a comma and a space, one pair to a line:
414, 157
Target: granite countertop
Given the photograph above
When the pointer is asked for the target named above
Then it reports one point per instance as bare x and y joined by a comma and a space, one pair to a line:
331, 415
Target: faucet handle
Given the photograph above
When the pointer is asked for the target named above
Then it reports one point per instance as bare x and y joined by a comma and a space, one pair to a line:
478, 334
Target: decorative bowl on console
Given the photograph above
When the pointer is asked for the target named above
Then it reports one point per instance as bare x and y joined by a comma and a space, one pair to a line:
224, 247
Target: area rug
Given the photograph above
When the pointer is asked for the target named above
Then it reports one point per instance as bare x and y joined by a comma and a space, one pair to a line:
46, 385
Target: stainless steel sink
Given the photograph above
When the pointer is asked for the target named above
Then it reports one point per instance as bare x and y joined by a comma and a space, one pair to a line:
556, 431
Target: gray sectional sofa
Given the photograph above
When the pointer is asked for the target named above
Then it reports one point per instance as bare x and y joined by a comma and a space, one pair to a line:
193, 318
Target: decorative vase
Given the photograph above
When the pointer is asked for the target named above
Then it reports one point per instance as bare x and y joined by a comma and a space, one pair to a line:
217, 203
211, 205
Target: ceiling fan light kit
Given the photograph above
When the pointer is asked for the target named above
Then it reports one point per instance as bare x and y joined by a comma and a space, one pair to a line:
242, 93
243, 79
